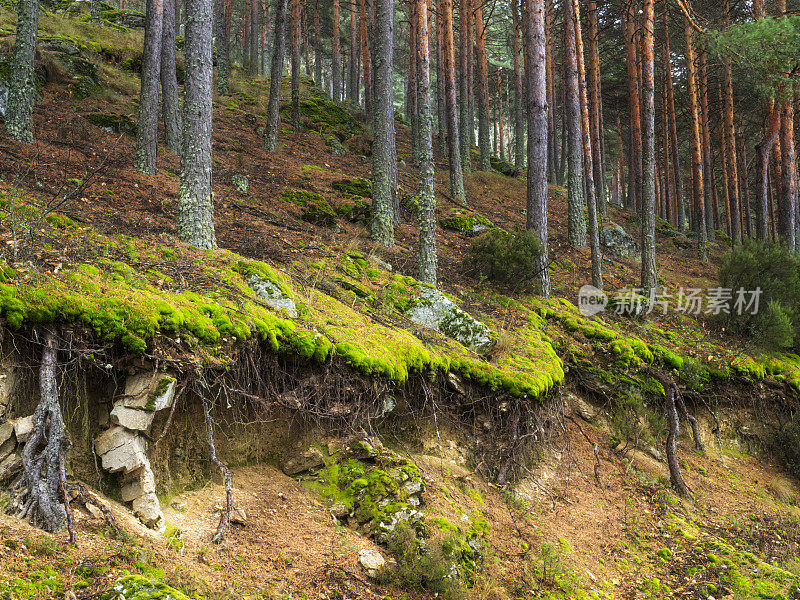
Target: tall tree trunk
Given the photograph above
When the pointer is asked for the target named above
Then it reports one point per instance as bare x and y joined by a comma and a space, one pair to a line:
629, 32
382, 150
411, 82
21, 90
171, 105
747, 225
144, 157
553, 157
295, 38
519, 116
223, 47
576, 198
440, 86
591, 200
648, 220
680, 212
536, 80
484, 143
352, 84
623, 201
465, 41
365, 58
456, 177
788, 200
276, 78
665, 150
317, 46
708, 157
697, 143
595, 104
336, 58
763, 152
500, 111
427, 200
195, 203
676, 477
730, 139
255, 31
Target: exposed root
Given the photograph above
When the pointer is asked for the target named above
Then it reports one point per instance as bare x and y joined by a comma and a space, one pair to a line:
698, 440
675, 475
40, 499
88, 498
224, 519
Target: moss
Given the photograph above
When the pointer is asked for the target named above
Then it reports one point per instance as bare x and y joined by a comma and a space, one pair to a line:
465, 223
115, 123
137, 587
354, 187
316, 208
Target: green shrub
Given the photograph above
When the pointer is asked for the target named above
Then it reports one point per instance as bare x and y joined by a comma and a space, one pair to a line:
776, 270
511, 258
787, 445
432, 566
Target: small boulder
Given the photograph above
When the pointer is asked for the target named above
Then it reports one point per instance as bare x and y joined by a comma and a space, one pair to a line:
23, 428
310, 459
371, 561
10, 466
148, 509
332, 142
271, 293
144, 484
121, 450
240, 183
59, 45
146, 390
503, 167
6, 431
238, 516
132, 418
619, 243
339, 510
436, 311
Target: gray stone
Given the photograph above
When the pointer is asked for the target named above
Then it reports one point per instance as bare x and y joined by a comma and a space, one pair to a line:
339, 510
332, 142
238, 516
145, 484
7, 447
240, 183
8, 377
371, 561
132, 418
455, 383
121, 450
10, 466
582, 408
310, 459
412, 487
619, 243
6, 430
149, 391
148, 510
435, 311
23, 428
112, 438
272, 294
59, 45
130, 18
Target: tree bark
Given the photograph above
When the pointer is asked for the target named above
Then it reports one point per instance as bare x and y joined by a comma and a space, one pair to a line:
465, 44
730, 140
677, 187
440, 86
709, 181
519, 115
595, 104
763, 153
195, 202
171, 104
484, 143
352, 84
144, 157
365, 57
427, 199
536, 80
648, 214
635, 172
382, 149
222, 44
317, 46
453, 148
697, 143
336, 58
591, 200
295, 47
411, 81
553, 158
276, 77
675, 475
21, 89
788, 200
576, 199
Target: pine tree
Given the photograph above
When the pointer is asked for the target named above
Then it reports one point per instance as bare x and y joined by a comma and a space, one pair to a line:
195, 202
276, 78
171, 105
295, 20
222, 44
536, 81
648, 213
449, 72
21, 89
336, 55
697, 142
144, 158
576, 199
383, 148
484, 143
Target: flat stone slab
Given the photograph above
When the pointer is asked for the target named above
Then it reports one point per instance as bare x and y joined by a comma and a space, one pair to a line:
145, 484
132, 418
435, 311
371, 561
121, 450
148, 510
272, 294
148, 391
6, 431
23, 428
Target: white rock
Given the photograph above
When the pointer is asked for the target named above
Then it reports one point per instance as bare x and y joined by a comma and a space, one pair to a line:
272, 294
146, 484
126, 457
148, 390
148, 510
6, 429
112, 438
239, 516
23, 428
371, 561
132, 418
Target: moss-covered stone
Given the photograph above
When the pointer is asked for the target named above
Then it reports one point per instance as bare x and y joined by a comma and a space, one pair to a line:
465, 222
138, 587
315, 208
354, 187
113, 123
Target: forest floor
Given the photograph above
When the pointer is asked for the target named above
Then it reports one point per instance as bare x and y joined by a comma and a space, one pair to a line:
623, 534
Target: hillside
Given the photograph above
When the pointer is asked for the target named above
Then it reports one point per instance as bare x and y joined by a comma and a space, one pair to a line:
521, 444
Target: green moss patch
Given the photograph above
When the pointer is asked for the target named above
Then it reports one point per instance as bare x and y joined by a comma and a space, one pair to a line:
315, 208
354, 187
